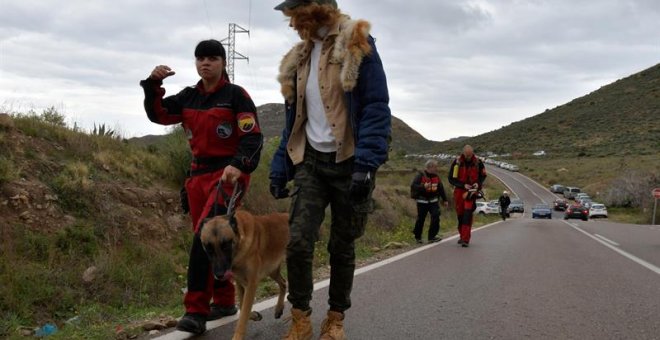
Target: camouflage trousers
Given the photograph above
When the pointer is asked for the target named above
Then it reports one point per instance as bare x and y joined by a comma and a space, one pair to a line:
320, 182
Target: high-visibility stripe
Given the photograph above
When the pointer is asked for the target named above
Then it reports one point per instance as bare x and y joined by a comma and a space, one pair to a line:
455, 174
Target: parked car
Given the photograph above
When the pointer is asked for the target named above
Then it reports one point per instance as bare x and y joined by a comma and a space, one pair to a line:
541, 211
585, 202
516, 206
577, 211
597, 210
569, 192
557, 188
579, 195
560, 204
484, 208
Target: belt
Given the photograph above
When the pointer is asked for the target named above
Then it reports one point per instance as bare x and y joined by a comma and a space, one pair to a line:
328, 157
205, 165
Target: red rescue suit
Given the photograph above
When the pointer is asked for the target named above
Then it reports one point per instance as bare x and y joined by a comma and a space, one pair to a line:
461, 172
222, 129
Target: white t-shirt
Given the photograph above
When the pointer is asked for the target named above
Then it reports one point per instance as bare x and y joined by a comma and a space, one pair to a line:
318, 130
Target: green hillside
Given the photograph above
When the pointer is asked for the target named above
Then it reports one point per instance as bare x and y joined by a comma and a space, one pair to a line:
618, 119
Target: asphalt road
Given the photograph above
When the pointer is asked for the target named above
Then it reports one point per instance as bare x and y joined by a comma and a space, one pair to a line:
523, 278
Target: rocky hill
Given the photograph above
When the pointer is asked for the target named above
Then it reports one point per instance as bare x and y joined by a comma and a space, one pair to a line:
76, 212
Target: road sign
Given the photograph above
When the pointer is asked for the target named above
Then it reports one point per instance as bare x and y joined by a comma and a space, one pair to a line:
656, 192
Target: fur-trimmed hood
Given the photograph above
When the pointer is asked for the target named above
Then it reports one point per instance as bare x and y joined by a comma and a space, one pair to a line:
351, 46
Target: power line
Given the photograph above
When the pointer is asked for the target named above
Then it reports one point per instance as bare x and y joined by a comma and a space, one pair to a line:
250, 16
208, 18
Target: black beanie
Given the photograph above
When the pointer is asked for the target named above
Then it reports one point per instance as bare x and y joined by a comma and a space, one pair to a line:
210, 48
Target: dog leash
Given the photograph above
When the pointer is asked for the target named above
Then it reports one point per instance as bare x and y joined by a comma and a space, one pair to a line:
230, 201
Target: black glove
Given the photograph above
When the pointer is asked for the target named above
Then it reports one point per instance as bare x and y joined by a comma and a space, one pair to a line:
278, 189
361, 185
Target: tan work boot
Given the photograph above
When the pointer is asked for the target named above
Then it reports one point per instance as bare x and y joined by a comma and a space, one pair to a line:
301, 325
333, 327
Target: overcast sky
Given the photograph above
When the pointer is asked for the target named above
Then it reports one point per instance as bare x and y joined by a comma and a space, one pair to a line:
454, 68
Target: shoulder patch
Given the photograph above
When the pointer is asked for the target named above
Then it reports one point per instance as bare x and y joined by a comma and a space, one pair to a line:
246, 121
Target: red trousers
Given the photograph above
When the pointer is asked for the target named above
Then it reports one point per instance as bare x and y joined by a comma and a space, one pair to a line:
204, 202
464, 213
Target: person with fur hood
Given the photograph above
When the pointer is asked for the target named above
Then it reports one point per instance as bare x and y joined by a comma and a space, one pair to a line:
336, 136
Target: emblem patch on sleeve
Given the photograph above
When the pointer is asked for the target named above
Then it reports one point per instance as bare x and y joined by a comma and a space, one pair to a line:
246, 122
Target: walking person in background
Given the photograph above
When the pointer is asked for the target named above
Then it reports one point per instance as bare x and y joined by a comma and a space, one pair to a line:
427, 189
504, 200
338, 124
220, 122
467, 174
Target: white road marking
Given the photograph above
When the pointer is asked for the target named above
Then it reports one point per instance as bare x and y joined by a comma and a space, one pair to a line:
607, 240
539, 185
266, 304
506, 185
528, 188
632, 257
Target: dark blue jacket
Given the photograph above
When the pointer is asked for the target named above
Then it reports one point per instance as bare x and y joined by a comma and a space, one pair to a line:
371, 121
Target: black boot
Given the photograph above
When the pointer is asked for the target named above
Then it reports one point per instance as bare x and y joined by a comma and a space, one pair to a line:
218, 311
192, 323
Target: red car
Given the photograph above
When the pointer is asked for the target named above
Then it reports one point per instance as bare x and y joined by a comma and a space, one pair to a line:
577, 211
560, 204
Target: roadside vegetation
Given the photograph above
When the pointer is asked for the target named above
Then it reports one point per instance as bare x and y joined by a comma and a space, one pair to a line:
93, 240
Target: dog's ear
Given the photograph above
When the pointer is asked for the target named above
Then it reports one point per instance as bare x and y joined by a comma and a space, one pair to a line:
201, 225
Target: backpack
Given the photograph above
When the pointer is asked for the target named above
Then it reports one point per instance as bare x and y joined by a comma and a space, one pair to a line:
413, 192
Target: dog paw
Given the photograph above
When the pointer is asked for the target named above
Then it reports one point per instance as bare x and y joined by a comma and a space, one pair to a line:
278, 313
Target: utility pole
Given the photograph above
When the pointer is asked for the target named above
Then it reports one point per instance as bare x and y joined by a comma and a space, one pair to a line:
232, 55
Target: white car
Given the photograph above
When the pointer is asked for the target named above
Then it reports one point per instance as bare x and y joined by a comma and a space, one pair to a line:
597, 210
487, 208
579, 195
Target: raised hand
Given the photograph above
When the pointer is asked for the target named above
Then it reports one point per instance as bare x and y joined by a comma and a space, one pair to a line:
161, 72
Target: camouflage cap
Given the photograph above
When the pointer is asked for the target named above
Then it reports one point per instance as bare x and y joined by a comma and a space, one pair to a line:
290, 4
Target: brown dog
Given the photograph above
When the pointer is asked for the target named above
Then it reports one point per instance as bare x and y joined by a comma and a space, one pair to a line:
249, 247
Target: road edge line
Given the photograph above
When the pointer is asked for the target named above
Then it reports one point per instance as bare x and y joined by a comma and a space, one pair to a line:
501, 181
631, 257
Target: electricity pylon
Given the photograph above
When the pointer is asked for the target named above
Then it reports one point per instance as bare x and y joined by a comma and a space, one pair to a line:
232, 54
